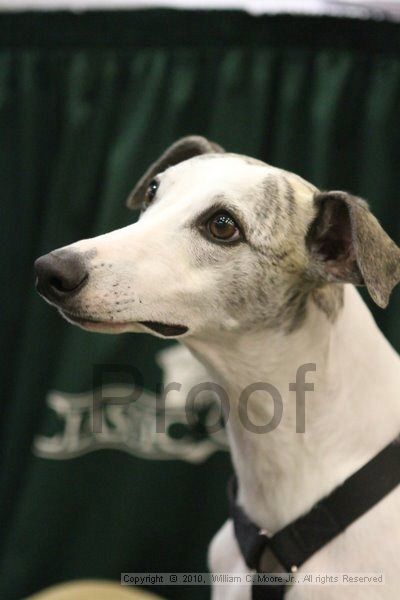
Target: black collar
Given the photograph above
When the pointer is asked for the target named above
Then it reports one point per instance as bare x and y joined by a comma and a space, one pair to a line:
299, 540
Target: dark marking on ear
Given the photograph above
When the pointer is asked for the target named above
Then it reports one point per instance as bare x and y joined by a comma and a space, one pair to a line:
347, 244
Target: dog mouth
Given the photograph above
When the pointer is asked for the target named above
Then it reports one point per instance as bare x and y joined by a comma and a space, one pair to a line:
165, 329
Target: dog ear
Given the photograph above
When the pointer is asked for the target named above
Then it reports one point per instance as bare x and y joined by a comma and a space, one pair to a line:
348, 244
183, 149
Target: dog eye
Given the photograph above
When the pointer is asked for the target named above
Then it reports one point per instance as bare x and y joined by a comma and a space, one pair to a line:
150, 193
223, 227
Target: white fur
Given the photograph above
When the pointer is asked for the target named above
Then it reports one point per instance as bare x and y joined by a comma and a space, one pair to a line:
353, 413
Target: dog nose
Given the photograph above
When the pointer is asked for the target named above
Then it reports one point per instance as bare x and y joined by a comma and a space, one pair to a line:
60, 274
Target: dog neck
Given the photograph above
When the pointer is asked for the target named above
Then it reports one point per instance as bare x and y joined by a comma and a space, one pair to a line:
352, 413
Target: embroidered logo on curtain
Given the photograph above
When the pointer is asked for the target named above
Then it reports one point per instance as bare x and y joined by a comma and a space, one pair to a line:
141, 426
131, 428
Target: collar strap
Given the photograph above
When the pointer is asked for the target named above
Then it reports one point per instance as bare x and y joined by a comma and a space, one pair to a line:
299, 540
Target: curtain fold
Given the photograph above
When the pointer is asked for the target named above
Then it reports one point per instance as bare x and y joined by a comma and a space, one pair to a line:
86, 103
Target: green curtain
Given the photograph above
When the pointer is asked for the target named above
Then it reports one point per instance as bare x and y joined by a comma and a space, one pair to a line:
86, 103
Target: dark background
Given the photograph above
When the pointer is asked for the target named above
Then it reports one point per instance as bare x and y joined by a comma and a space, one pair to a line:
86, 103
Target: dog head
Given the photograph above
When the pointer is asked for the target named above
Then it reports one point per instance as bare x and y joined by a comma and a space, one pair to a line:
223, 242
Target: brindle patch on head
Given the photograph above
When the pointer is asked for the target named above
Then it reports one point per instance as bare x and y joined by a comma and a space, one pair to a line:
268, 279
269, 204
270, 215
289, 197
283, 293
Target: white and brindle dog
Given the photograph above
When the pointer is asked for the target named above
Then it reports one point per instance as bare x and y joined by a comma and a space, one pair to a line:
254, 269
